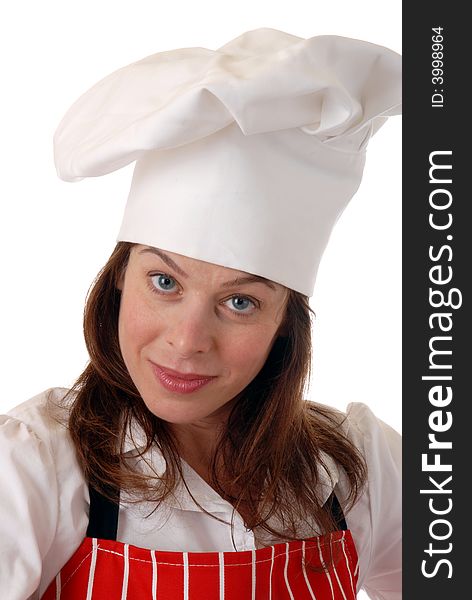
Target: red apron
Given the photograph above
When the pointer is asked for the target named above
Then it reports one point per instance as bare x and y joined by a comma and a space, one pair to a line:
104, 569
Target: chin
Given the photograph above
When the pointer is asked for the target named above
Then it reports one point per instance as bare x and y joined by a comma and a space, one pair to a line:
178, 411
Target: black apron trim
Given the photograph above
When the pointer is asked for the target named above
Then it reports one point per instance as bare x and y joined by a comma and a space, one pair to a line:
332, 504
103, 516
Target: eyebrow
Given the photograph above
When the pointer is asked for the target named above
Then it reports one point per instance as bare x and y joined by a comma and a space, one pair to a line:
233, 282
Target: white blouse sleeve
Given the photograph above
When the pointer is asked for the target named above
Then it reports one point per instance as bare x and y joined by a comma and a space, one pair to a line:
376, 519
43, 497
28, 508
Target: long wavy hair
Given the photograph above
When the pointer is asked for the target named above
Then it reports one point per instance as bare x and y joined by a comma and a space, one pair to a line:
270, 456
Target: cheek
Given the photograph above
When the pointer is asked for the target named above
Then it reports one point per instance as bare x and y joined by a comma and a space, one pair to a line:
136, 325
248, 354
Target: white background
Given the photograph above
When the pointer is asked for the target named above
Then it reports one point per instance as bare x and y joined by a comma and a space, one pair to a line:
55, 236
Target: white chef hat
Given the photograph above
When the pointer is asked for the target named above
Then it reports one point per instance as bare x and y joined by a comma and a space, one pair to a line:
246, 155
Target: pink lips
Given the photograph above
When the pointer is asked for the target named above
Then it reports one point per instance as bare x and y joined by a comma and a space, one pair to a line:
183, 383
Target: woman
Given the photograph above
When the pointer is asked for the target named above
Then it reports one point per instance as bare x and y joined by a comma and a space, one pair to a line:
185, 462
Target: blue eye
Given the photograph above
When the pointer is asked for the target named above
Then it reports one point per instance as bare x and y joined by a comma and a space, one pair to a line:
164, 282
240, 303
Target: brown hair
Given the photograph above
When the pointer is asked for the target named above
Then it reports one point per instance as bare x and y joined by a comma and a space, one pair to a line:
272, 435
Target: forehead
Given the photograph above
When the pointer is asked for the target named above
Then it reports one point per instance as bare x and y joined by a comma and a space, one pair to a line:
184, 265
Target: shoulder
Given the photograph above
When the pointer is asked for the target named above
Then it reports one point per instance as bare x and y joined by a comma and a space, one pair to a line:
378, 441
36, 432
363, 428
38, 408
42, 418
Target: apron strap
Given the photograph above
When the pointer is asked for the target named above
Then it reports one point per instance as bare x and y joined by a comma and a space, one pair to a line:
103, 515
332, 504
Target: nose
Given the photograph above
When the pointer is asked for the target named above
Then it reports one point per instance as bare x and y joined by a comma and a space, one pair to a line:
190, 332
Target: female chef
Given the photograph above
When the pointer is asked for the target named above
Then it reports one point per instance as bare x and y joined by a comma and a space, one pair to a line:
185, 462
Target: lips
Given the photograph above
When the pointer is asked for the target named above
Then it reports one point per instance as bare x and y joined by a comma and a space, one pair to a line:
183, 383
185, 376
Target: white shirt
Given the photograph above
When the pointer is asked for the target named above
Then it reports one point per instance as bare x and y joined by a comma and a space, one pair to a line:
44, 504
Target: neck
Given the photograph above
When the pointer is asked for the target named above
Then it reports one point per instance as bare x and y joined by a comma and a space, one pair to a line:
196, 443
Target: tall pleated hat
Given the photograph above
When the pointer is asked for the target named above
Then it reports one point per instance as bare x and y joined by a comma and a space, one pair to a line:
246, 155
